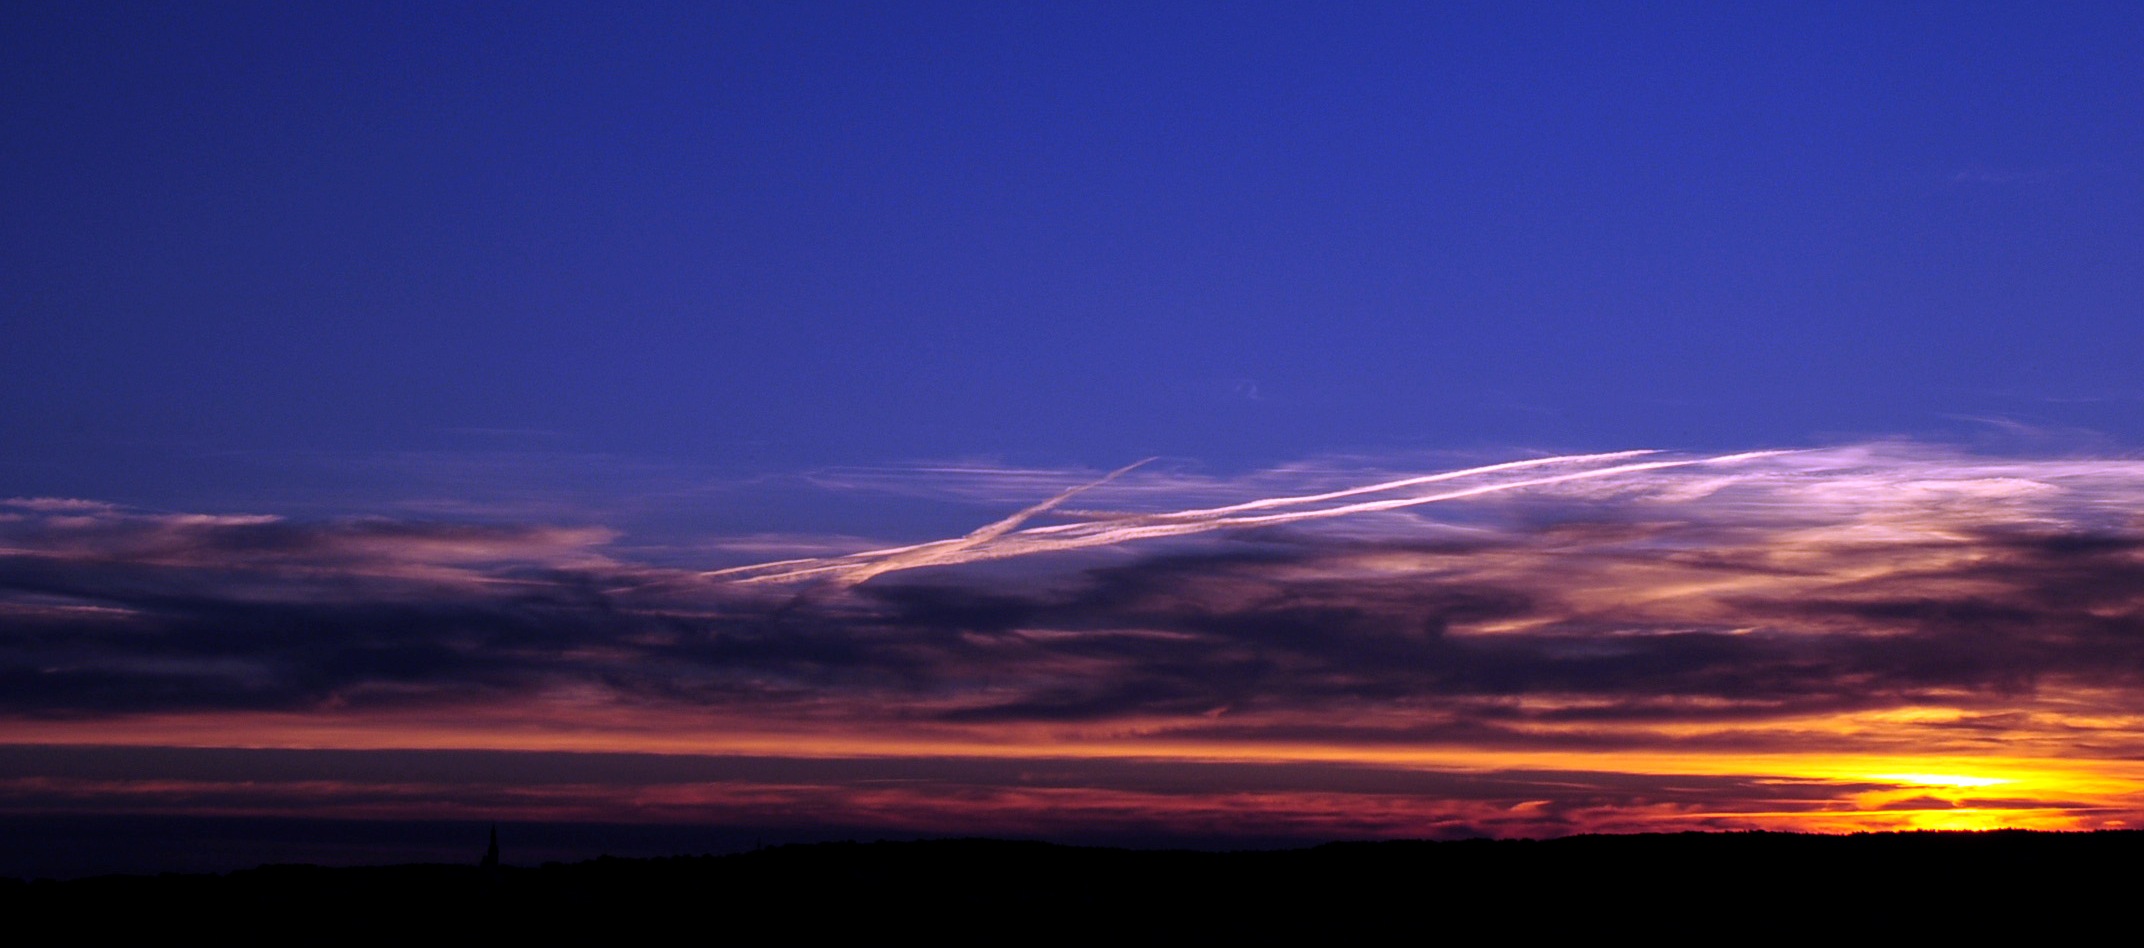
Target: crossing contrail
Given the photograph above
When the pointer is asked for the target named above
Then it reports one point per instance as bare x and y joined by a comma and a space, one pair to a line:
1006, 538
857, 567
1271, 502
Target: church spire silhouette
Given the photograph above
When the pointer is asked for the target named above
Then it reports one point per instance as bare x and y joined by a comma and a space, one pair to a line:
491, 853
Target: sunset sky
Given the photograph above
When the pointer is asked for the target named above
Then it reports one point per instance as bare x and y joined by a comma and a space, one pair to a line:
1200, 423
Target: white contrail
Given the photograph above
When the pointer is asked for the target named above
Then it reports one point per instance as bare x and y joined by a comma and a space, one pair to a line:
1271, 502
1045, 539
1004, 538
857, 567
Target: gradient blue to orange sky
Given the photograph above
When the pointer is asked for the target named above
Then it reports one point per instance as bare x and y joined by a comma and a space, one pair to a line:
1554, 417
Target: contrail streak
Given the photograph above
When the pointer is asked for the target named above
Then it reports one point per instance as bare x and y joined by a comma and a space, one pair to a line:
1004, 538
926, 554
1271, 502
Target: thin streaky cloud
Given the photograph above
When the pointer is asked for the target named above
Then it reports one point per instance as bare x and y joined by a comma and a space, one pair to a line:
1000, 541
928, 554
1271, 502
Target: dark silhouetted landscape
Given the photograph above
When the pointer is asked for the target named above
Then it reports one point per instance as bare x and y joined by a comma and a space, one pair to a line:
1905, 884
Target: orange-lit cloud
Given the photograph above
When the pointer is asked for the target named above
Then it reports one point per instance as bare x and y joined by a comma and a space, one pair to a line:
1873, 636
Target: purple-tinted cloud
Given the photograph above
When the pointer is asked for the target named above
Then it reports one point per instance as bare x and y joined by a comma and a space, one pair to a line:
1882, 601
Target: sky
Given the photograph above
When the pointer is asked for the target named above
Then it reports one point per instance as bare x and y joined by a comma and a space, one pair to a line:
1210, 422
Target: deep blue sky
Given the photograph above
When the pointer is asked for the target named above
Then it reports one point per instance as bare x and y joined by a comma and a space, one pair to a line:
761, 238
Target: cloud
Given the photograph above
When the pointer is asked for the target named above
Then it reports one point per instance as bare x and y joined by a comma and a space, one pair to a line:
1003, 540
976, 544
1849, 612
1986, 176
1613, 590
1066, 798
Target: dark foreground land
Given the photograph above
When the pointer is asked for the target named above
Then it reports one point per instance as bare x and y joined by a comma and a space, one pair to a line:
1694, 885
